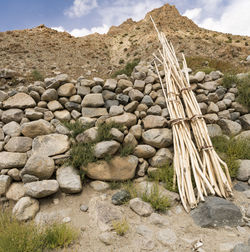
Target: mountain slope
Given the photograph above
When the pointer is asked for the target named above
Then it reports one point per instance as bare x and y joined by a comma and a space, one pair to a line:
47, 50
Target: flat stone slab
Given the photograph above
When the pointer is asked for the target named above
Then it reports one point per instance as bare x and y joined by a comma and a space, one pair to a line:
51, 145
118, 168
217, 212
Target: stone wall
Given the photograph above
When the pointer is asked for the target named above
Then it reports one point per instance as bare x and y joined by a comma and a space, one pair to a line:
34, 143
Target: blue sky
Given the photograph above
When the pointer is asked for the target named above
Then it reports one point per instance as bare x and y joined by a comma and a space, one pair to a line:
82, 17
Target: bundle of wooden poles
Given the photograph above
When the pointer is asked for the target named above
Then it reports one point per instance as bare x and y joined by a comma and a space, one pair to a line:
198, 168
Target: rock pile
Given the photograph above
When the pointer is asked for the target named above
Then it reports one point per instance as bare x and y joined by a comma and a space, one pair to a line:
34, 142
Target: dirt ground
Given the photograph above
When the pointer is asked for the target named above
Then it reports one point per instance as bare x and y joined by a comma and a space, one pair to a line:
61, 205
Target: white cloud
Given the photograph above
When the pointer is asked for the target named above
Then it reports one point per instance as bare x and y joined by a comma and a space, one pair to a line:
234, 19
121, 10
193, 14
58, 28
81, 8
83, 31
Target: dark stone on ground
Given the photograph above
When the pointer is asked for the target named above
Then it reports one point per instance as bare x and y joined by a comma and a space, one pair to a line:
241, 187
120, 197
217, 212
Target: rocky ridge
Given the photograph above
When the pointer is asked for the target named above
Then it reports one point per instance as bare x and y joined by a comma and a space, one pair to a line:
49, 51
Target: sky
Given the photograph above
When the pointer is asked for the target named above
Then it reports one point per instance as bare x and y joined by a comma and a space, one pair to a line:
83, 17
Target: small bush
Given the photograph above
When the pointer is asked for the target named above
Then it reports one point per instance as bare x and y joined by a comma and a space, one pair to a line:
130, 188
126, 150
36, 76
229, 80
104, 131
159, 202
164, 174
230, 150
114, 185
243, 86
198, 63
120, 226
244, 91
16, 236
76, 128
59, 235
81, 154
128, 69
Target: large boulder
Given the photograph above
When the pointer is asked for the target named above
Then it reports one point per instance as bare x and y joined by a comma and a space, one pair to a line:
245, 121
25, 209
19, 100
126, 119
5, 181
51, 145
118, 168
94, 112
69, 179
55, 82
217, 212
105, 148
214, 130
36, 128
154, 121
39, 165
15, 192
12, 160
41, 189
161, 157
49, 95
89, 135
144, 151
12, 115
158, 138
12, 129
67, 90
19, 144
244, 170
93, 100
230, 127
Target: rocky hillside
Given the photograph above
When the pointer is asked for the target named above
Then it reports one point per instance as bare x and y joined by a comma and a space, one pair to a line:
49, 51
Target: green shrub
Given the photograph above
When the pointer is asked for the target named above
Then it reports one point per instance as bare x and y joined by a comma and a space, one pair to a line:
244, 91
126, 150
164, 174
120, 226
16, 236
103, 131
81, 154
59, 235
228, 80
198, 63
128, 69
159, 202
76, 128
230, 150
114, 185
36, 76
130, 188
243, 86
